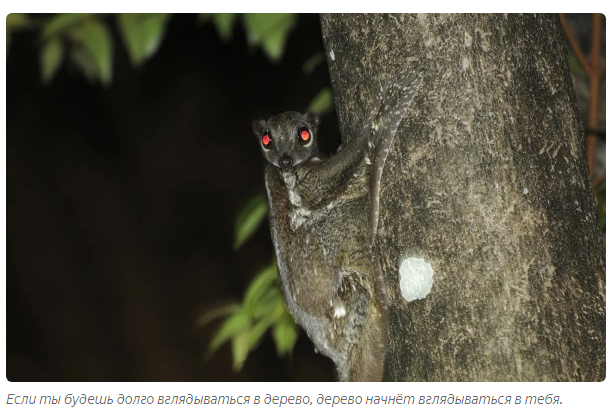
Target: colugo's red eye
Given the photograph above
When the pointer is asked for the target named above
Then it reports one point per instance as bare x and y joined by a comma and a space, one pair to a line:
266, 141
304, 134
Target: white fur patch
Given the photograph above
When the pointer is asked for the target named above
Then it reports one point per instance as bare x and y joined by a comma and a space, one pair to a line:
298, 217
290, 181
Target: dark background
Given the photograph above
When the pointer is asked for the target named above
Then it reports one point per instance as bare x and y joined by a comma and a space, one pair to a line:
121, 204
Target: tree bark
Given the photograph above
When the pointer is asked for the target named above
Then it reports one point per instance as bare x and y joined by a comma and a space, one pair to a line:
488, 182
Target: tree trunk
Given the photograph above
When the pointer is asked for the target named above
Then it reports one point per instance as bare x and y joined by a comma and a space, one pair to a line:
488, 182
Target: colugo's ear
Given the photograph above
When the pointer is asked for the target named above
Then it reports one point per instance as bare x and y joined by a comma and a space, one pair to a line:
257, 127
313, 119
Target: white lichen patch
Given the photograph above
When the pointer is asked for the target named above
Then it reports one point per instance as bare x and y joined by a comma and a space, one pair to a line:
415, 278
339, 311
332, 55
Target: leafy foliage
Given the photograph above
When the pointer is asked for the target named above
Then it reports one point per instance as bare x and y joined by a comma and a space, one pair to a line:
322, 103
268, 31
85, 39
223, 22
285, 334
142, 34
249, 218
89, 45
262, 308
51, 58
95, 40
62, 22
245, 324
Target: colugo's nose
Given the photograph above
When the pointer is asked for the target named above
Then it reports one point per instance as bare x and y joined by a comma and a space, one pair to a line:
285, 161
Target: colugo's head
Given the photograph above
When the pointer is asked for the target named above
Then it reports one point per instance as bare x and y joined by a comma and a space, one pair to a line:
288, 140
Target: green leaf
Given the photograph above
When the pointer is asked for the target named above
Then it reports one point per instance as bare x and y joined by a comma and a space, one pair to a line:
142, 33
256, 333
224, 22
280, 308
268, 305
60, 22
92, 45
269, 31
284, 335
249, 218
313, 62
96, 40
209, 316
85, 62
51, 58
235, 324
240, 349
322, 103
259, 285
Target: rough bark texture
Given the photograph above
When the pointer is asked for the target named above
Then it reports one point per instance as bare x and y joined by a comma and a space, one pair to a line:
488, 182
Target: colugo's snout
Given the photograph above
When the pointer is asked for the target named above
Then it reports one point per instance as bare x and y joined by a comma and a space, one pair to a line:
285, 161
